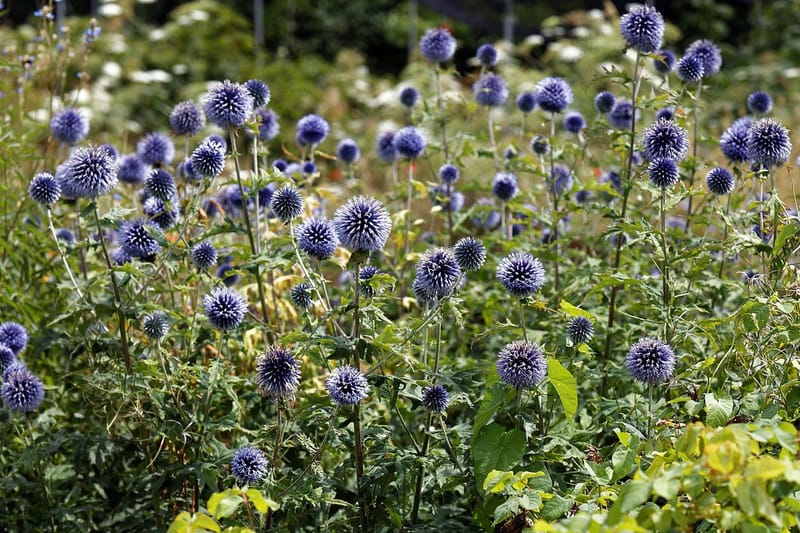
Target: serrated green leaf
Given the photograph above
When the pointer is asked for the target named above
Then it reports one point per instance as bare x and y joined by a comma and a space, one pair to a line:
571, 310
497, 449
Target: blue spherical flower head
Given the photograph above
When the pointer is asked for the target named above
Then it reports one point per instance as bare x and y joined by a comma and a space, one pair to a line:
666, 113
286, 203
347, 151
156, 325
165, 214
487, 55
300, 295
663, 173
309, 168
204, 255
540, 145
7, 358
225, 308
227, 273
44, 188
526, 101
437, 273
521, 365
259, 92
448, 173
278, 373
435, 398
136, 239
228, 105
346, 385
487, 218
604, 102
15, 366
561, 179
312, 130
208, 159
317, 238
409, 96
120, 256
130, 169
409, 142
364, 276
553, 95
574, 122
112, 151
437, 45
449, 202
69, 126
665, 140
720, 181
89, 172
490, 91
470, 253
66, 236
161, 184
268, 125
621, 115
708, 53
363, 223
14, 336
733, 142
187, 119
385, 147
505, 186
650, 361
690, 69
521, 274
249, 465
155, 149
759, 103
664, 62
580, 330
768, 143
643, 29
22, 391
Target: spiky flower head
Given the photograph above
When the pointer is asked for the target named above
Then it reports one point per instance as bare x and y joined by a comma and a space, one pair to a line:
286, 203
204, 255
621, 115
574, 122
22, 391
650, 361
409, 96
187, 119
137, 240
312, 130
316, 237
437, 45
553, 94
259, 92
156, 325
720, 181
490, 91
7, 358
759, 102
165, 214
580, 330
664, 62
448, 173
66, 236
435, 398
690, 69
300, 295
69, 126
347, 151
364, 276
225, 308
155, 149
249, 465
642, 28
521, 365
309, 167
487, 55
733, 142
268, 124
278, 373
665, 113
768, 143
561, 179
437, 272
161, 184
409, 142
521, 274
540, 145
708, 53
346, 385
470, 253
604, 102
505, 186
526, 101
208, 159
130, 169
44, 188
385, 147
663, 173
228, 105
88, 173
664, 139
362, 223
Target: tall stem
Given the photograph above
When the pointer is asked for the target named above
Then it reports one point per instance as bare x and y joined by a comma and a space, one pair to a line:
364, 512
61, 253
555, 214
442, 118
649, 410
407, 241
695, 121
665, 271
522, 320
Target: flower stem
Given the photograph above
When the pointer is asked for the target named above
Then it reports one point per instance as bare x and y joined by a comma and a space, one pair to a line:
522, 319
61, 253
363, 510
555, 215
409, 191
665, 271
442, 118
649, 410
695, 121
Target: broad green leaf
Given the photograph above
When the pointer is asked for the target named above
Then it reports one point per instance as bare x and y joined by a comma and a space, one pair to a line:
497, 449
571, 310
632, 496
495, 481
496, 395
180, 524
260, 502
206, 522
565, 384
224, 504
718, 410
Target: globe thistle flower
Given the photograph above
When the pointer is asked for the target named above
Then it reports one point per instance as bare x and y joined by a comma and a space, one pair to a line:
490, 91
136, 238
409, 142
561, 179
165, 214
227, 273
437, 272
521, 365
385, 147
505, 186
621, 115
287, 204
225, 308
733, 142
708, 53
309, 168
204, 255
759, 103
409, 96
540, 145
155, 149
208, 159
663, 173
219, 139
604, 102
312, 130
664, 62
249, 465
690, 69
316, 237
580, 330
452, 202
268, 125
768, 143
7, 358
470, 254
364, 276
643, 29
666, 113
88, 173
187, 119
278, 373
553, 94
22, 391
650, 361
489, 219
435, 398
437, 45
300, 295
15, 366
161, 184
259, 92
720, 181
69, 126
44, 188
487, 55
66, 236
347, 151
346, 385
574, 122
156, 325
521, 274
228, 105
526, 101
120, 256
265, 195
362, 223
449, 173
665, 140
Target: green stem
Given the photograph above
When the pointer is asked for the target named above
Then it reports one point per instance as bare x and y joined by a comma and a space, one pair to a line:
695, 121
409, 191
555, 215
649, 410
522, 319
364, 512
665, 270
61, 253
